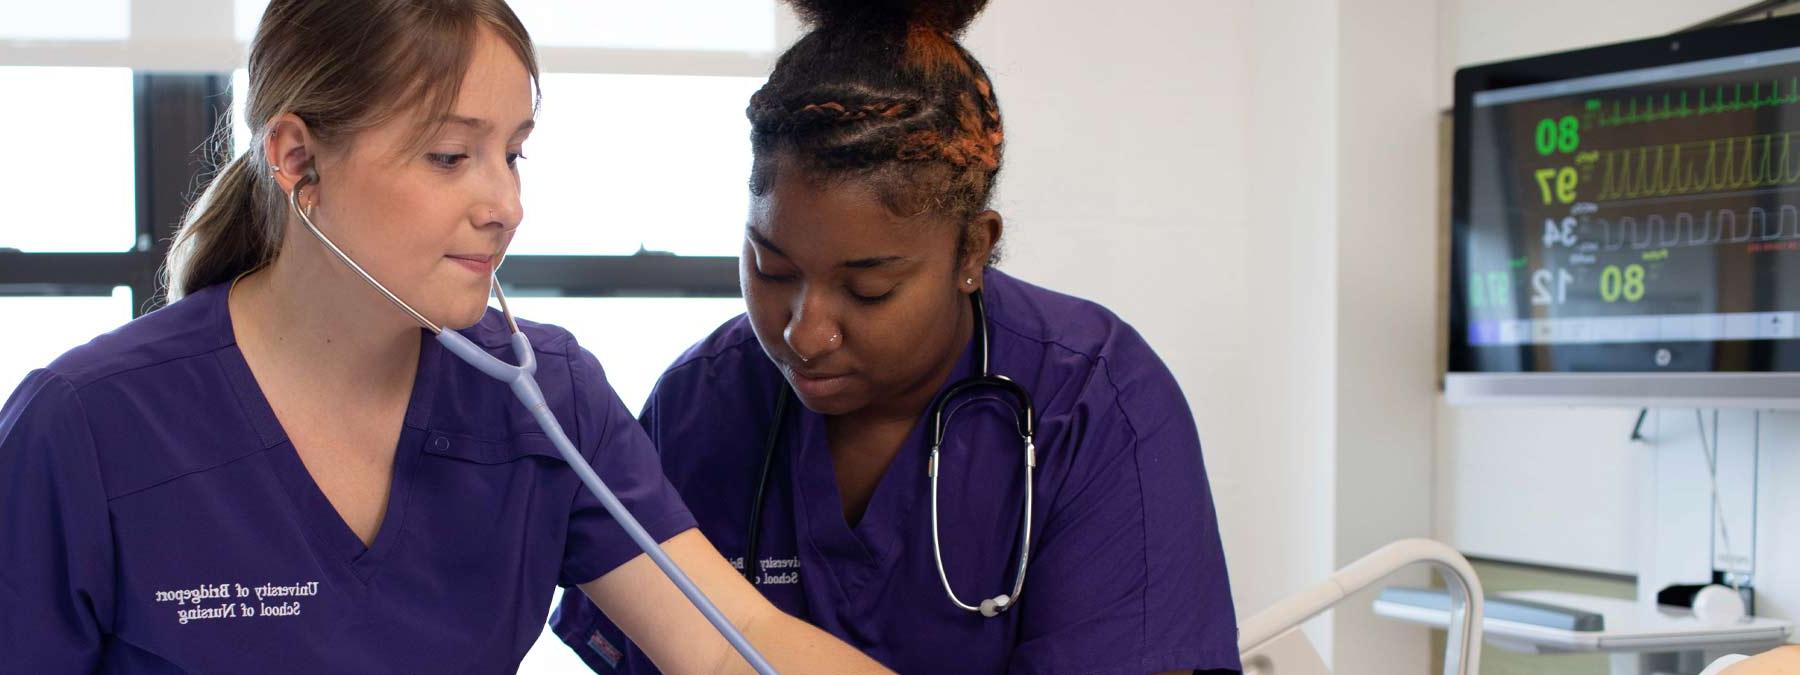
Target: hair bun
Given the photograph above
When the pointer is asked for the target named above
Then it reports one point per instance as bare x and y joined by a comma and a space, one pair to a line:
948, 16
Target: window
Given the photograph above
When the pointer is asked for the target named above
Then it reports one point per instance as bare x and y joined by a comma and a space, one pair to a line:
73, 20
69, 141
622, 163
698, 25
664, 25
59, 323
625, 163
634, 338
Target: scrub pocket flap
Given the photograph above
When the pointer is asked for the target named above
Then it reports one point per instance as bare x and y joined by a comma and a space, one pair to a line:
489, 451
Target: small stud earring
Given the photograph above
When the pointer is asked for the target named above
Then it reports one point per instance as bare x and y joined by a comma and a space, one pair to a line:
970, 281
274, 169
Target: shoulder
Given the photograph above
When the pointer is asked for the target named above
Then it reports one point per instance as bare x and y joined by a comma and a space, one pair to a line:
729, 357
732, 342
472, 402
193, 326
46, 438
716, 397
1079, 339
44, 398
132, 396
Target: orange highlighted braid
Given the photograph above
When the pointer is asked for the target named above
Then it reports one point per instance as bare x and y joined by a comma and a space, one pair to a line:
881, 91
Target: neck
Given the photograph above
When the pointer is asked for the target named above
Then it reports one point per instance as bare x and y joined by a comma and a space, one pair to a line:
308, 315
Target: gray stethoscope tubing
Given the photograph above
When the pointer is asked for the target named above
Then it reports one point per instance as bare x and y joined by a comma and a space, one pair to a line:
1025, 417
989, 607
520, 379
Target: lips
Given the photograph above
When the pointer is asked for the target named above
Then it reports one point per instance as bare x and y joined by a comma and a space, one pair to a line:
818, 385
476, 263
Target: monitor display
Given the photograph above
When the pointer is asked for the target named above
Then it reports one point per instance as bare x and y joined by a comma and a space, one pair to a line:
1632, 209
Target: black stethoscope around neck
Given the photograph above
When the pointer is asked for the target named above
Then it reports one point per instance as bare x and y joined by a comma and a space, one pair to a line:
1025, 416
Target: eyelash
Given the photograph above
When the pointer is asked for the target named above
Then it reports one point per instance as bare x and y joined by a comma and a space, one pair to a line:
863, 299
871, 299
765, 276
446, 160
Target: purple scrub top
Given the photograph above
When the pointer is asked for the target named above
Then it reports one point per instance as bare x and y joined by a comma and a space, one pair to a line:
1126, 572
156, 519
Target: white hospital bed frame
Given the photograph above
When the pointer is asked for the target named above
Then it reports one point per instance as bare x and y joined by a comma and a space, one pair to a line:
1271, 642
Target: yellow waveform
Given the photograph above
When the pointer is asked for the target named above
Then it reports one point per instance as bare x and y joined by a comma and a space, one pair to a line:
1716, 165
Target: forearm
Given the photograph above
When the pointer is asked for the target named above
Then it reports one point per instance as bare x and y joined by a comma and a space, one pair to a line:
1778, 661
656, 616
794, 646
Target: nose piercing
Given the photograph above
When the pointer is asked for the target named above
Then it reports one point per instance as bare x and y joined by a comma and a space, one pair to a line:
830, 340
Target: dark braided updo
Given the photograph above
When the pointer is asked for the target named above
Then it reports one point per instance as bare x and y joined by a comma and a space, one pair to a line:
881, 91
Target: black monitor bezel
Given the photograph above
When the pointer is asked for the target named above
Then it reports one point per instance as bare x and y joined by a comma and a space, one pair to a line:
1741, 356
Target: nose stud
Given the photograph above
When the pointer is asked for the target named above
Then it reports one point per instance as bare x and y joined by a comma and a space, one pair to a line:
830, 341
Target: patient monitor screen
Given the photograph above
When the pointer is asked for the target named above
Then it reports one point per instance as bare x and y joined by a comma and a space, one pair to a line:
1641, 220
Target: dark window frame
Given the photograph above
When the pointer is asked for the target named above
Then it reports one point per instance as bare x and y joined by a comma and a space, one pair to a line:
176, 116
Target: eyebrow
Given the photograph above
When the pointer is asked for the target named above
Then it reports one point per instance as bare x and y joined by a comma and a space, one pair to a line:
483, 125
859, 263
869, 263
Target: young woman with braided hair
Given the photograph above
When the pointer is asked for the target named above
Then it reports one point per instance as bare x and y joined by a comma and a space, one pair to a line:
867, 272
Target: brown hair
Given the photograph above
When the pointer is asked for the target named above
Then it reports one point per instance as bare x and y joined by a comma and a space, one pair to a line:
341, 66
882, 91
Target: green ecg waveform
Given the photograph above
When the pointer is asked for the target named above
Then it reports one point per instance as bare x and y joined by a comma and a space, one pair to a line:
1705, 101
1717, 165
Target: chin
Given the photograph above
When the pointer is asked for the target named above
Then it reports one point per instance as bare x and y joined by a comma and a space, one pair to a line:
460, 315
832, 405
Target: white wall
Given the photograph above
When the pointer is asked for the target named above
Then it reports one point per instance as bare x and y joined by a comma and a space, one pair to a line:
1386, 320
1553, 486
1286, 470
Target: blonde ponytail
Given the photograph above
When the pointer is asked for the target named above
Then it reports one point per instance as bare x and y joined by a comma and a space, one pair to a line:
225, 233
